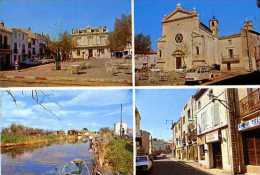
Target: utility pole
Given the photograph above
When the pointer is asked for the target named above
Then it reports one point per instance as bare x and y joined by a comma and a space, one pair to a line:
121, 122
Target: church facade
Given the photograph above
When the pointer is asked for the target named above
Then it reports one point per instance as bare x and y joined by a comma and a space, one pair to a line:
186, 42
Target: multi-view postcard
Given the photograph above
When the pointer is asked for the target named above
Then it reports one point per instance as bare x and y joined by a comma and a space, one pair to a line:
66, 132
65, 43
197, 42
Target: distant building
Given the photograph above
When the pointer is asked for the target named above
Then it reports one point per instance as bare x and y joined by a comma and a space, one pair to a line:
186, 42
5, 46
120, 129
160, 146
91, 43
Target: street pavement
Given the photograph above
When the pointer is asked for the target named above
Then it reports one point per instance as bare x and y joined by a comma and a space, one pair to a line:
169, 167
245, 79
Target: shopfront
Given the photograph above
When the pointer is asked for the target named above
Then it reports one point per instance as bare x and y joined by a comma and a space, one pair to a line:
250, 132
215, 152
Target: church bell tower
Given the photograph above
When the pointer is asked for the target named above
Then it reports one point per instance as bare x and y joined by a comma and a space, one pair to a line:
213, 25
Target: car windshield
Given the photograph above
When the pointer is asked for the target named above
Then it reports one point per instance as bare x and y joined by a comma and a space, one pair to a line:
141, 159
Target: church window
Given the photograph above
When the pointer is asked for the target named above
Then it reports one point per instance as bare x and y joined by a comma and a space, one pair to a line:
179, 38
197, 50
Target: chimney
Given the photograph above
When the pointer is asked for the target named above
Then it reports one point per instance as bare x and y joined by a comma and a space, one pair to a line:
248, 25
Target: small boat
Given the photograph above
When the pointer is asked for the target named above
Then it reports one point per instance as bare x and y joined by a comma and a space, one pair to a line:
75, 167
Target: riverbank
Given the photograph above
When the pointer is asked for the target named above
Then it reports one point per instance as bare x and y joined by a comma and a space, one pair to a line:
10, 142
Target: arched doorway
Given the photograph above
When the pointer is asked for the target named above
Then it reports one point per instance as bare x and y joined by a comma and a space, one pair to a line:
179, 59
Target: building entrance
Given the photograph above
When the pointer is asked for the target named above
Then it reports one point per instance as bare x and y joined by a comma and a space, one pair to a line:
178, 62
217, 155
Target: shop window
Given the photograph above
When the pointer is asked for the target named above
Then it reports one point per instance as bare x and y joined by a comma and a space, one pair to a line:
202, 152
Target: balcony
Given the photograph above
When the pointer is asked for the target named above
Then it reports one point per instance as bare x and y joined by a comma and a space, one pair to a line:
230, 59
250, 103
5, 49
3, 46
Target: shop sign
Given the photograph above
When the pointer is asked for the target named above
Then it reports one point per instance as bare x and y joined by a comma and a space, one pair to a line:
249, 124
201, 140
212, 137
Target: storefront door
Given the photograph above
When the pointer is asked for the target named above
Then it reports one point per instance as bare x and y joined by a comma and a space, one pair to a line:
252, 147
217, 156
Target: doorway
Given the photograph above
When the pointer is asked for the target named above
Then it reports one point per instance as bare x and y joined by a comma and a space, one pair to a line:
178, 62
217, 156
90, 53
228, 66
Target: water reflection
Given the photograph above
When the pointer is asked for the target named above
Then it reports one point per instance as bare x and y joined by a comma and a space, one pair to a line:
40, 159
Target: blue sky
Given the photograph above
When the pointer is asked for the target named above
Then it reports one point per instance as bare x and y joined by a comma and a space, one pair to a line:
158, 105
230, 13
54, 16
92, 109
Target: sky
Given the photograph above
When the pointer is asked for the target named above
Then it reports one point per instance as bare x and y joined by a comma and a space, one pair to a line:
230, 13
55, 16
156, 106
67, 109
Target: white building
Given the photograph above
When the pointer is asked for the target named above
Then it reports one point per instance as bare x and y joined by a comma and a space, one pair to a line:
214, 148
91, 43
19, 46
120, 129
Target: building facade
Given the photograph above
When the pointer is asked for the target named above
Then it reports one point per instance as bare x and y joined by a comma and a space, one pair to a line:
249, 129
5, 46
91, 43
120, 129
184, 134
214, 144
186, 42
19, 46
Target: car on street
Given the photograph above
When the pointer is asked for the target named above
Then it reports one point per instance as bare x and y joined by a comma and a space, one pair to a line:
143, 163
199, 75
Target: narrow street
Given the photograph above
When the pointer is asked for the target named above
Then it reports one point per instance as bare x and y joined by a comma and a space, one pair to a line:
169, 167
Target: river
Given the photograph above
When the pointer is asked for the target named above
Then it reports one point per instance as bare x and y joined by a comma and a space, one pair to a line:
43, 159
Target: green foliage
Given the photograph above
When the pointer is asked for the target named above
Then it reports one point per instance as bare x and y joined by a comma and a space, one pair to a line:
120, 154
142, 43
121, 36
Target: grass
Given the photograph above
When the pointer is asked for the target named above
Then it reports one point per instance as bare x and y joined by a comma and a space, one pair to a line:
120, 155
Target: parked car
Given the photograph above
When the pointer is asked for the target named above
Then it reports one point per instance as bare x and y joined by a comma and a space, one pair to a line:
199, 74
28, 62
143, 163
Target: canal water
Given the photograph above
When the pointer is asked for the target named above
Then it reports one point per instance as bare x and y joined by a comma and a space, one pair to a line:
44, 159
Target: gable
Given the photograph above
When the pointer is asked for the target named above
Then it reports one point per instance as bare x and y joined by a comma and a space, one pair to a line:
179, 14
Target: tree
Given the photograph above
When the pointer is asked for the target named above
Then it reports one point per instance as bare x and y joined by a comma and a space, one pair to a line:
142, 43
121, 36
65, 43
258, 3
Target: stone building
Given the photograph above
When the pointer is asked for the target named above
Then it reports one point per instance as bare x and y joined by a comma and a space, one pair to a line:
213, 132
91, 43
186, 42
5, 46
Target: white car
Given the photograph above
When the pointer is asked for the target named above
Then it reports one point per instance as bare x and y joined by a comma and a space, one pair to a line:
199, 74
143, 163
